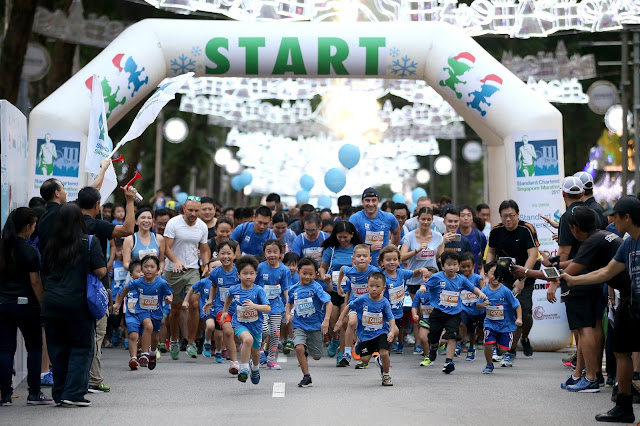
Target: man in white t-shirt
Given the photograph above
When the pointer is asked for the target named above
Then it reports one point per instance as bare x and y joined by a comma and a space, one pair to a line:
185, 237
412, 224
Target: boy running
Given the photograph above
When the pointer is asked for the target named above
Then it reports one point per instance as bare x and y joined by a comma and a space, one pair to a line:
472, 317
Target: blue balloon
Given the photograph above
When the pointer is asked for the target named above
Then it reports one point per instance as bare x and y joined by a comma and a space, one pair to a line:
398, 198
182, 197
307, 182
349, 155
417, 193
246, 178
412, 207
236, 183
324, 202
302, 196
335, 180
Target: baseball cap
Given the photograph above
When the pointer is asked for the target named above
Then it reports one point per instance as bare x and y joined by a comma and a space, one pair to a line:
572, 185
370, 192
587, 180
626, 205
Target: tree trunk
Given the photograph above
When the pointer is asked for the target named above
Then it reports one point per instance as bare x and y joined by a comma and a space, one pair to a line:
14, 47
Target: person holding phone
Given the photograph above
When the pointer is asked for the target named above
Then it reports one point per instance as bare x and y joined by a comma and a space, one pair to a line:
452, 240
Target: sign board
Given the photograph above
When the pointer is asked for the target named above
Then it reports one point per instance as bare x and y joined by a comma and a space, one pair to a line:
602, 94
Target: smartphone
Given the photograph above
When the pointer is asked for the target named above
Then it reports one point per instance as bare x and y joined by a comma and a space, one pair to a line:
550, 228
456, 237
23, 300
551, 272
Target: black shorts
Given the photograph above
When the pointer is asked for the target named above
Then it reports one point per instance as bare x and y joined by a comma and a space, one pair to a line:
626, 329
525, 298
439, 321
472, 322
413, 289
368, 347
336, 299
583, 307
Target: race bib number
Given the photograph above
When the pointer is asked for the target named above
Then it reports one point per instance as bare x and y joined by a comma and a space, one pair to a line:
149, 303
304, 307
372, 237
334, 278
358, 289
468, 298
372, 320
120, 274
273, 291
426, 254
246, 314
222, 293
131, 304
407, 301
314, 252
495, 313
426, 310
396, 295
147, 252
449, 298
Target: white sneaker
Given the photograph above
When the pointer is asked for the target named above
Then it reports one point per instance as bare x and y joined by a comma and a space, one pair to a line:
409, 340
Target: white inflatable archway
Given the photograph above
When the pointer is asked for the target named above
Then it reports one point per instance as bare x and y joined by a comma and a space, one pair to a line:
522, 130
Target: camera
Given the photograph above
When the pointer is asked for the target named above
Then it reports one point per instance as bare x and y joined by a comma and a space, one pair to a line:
503, 269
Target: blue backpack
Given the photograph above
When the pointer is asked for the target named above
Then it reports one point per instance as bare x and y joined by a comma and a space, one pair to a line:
97, 296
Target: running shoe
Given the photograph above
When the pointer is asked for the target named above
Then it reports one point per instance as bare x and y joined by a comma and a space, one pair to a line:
333, 348
305, 382
39, 399
133, 363
585, 386
496, 356
206, 350
569, 382
448, 367
471, 355
6, 401
162, 347
199, 345
458, 350
138, 353
288, 347
47, 379
409, 339
153, 361
488, 369
234, 367
255, 376
183, 345
101, 388
174, 350
362, 366
263, 358
192, 350
218, 357
272, 365
526, 347
379, 362
600, 378
339, 356
417, 349
442, 349
80, 403
386, 380
426, 362
400, 348
395, 346
355, 355
433, 353
571, 365
243, 375
126, 345
143, 360
610, 382
572, 357
507, 360
345, 360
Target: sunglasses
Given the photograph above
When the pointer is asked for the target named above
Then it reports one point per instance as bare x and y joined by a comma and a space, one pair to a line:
193, 198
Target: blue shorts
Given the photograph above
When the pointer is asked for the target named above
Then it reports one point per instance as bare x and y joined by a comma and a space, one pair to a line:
503, 339
134, 324
166, 308
257, 338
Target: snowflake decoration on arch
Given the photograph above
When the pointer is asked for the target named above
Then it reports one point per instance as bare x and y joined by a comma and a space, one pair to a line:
196, 51
182, 64
394, 52
404, 67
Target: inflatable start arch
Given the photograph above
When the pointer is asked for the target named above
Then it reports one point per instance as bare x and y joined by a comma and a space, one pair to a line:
523, 132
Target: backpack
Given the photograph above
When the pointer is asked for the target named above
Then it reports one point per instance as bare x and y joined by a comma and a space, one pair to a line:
97, 296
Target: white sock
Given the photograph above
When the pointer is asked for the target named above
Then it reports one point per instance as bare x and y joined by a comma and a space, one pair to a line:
207, 341
347, 350
218, 352
145, 353
255, 367
244, 366
152, 353
575, 378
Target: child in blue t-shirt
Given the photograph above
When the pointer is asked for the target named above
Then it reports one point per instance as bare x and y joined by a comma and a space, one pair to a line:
203, 288
445, 288
274, 277
357, 276
290, 260
420, 310
133, 324
504, 316
247, 302
472, 318
376, 327
117, 280
309, 325
152, 292
222, 279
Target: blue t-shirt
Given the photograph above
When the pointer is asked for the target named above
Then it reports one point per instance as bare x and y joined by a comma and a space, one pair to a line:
202, 287
250, 242
303, 247
373, 317
612, 228
336, 258
470, 300
150, 296
245, 317
501, 311
445, 292
478, 243
274, 281
422, 301
118, 278
629, 254
376, 229
130, 302
223, 282
357, 281
395, 289
308, 302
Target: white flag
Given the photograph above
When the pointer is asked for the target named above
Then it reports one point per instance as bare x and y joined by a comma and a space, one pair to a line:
153, 106
99, 144
109, 184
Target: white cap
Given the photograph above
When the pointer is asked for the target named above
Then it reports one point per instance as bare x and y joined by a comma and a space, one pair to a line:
572, 185
587, 180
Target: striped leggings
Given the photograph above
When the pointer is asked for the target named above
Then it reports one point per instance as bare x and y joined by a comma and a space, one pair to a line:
271, 327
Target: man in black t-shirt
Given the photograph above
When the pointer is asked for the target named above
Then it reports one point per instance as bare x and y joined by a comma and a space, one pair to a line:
517, 240
53, 193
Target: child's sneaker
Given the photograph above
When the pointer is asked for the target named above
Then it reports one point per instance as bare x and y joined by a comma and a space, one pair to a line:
218, 357
442, 349
272, 365
488, 369
448, 367
339, 356
496, 356
507, 360
458, 349
144, 360
263, 358
287, 347
395, 346
234, 367
433, 353
471, 355
426, 362
386, 380
162, 347
152, 362
362, 366
255, 376
206, 350
305, 382
417, 349
47, 379
333, 348
400, 348
243, 375
133, 363
345, 360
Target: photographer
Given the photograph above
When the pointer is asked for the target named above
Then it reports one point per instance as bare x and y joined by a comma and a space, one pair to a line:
518, 240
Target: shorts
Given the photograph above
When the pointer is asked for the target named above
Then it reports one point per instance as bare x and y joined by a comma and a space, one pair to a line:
525, 298
311, 339
257, 338
583, 307
336, 299
405, 320
472, 322
626, 329
219, 323
133, 323
504, 340
368, 347
208, 317
413, 289
424, 323
181, 283
439, 321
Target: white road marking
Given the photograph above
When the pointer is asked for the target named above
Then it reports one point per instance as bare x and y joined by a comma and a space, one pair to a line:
282, 358
278, 390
